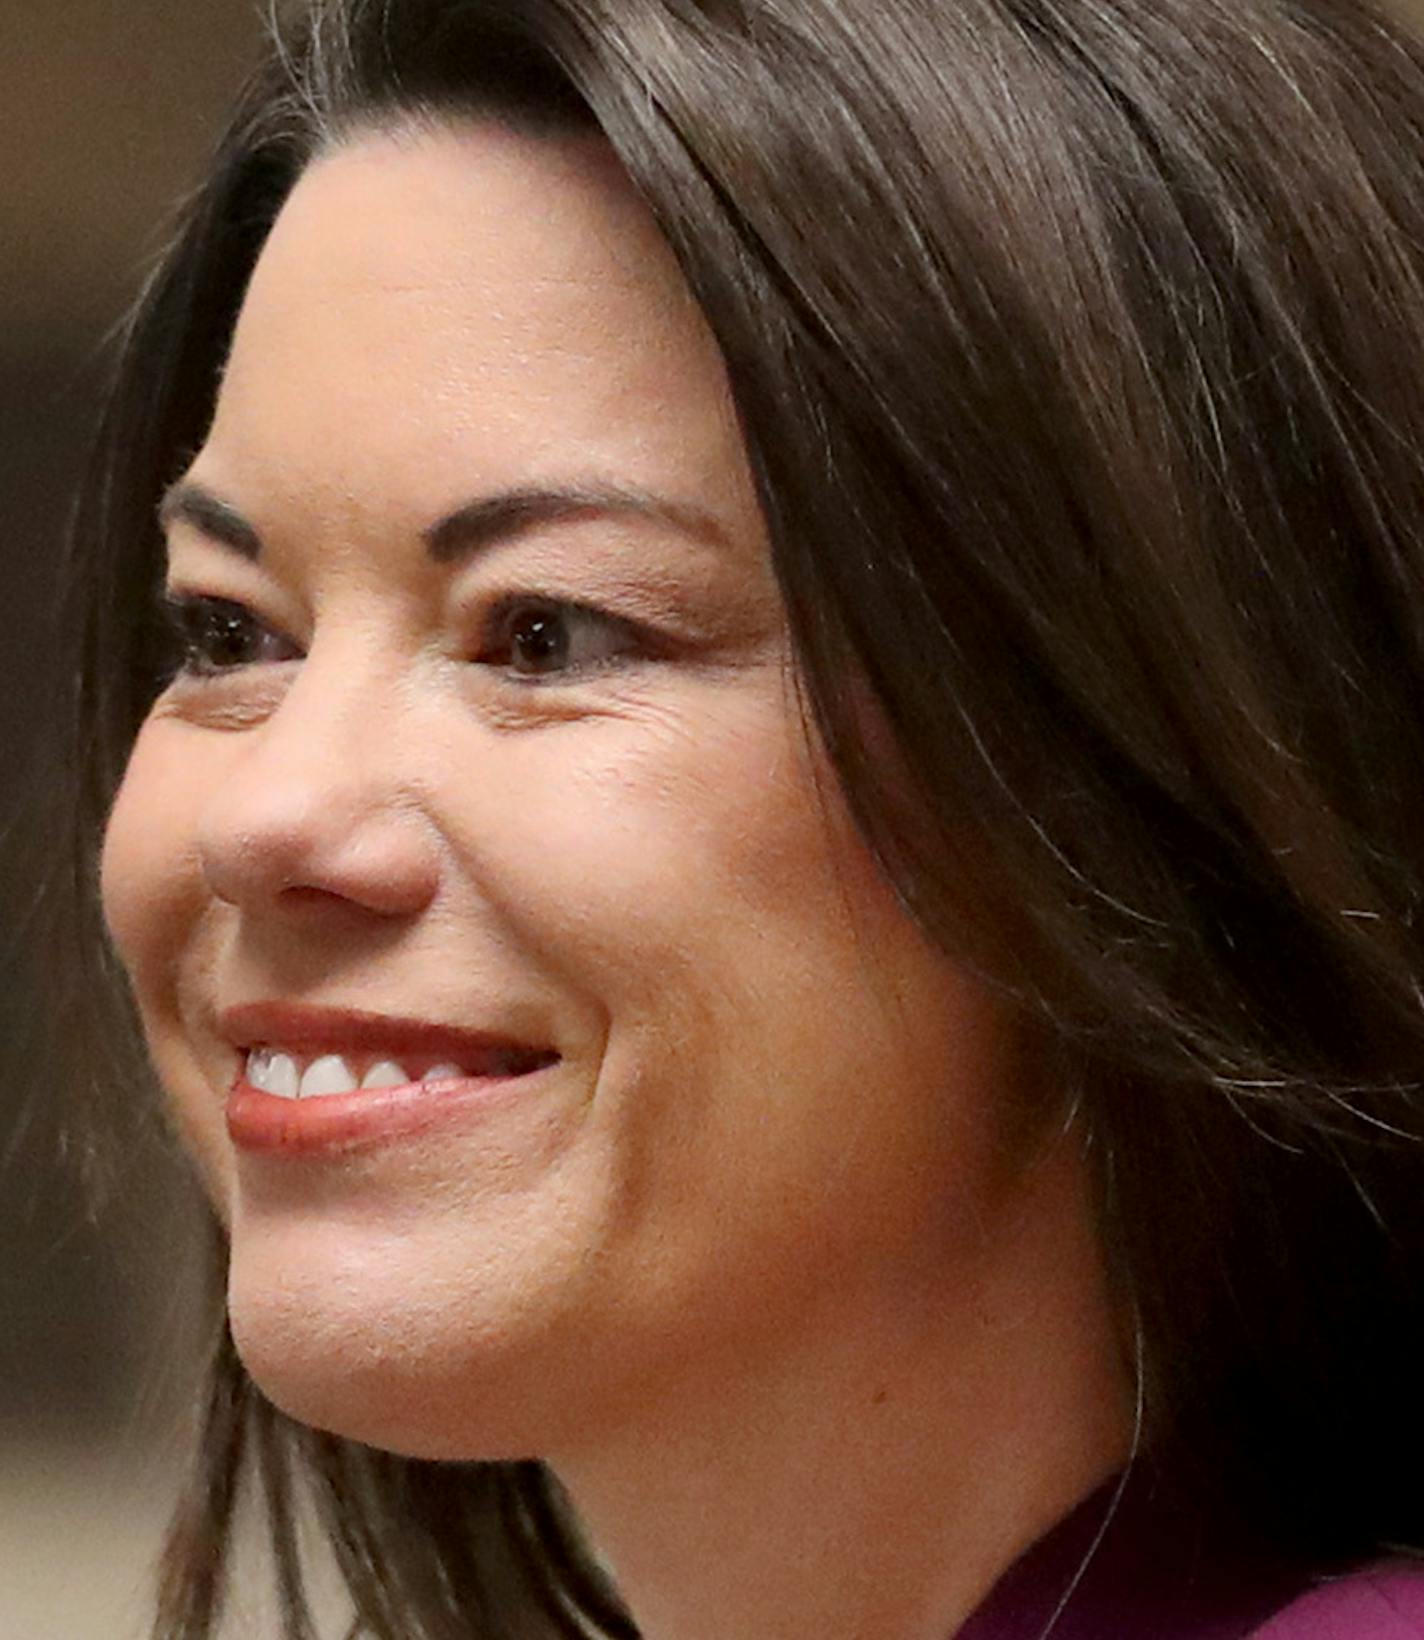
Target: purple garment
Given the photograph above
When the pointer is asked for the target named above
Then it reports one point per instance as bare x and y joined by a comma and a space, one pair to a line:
1382, 1603
1137, 1570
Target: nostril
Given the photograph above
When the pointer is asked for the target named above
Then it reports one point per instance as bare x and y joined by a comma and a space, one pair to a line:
305, 894
301, 900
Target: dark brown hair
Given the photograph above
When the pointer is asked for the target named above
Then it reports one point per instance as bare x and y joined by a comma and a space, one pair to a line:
1079, 351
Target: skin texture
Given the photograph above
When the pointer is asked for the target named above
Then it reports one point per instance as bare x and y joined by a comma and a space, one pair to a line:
753, 1259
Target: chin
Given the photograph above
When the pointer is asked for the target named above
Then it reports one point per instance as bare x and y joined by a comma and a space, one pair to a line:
383, 1391
409, 1368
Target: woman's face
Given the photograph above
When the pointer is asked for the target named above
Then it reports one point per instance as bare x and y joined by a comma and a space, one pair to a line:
486, 755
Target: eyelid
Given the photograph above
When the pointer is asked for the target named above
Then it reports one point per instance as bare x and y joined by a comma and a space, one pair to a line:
174, 600
504, 607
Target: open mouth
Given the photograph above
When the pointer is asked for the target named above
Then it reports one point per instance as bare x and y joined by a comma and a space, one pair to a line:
289, 1074
309, 1081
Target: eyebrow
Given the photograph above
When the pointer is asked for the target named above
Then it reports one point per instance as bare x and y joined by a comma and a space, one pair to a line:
470, 528
207, 513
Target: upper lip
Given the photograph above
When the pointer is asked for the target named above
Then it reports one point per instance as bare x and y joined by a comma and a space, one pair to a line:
309, 1029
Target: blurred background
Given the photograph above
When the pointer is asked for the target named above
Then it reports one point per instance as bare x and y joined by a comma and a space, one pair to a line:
107, 108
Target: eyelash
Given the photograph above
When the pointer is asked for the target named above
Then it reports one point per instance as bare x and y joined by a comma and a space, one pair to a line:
196, 623
192, 631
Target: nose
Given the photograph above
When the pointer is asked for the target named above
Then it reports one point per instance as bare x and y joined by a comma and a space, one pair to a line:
318, 807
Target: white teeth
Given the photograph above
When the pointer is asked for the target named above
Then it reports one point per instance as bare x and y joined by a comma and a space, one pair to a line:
385, 1073
274, 1073
281, 1074
327, 1075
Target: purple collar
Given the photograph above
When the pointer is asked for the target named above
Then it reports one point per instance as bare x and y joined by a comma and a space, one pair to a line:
1127, 1563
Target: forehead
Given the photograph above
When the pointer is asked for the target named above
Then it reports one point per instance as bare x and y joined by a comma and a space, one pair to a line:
461, 209
442, 309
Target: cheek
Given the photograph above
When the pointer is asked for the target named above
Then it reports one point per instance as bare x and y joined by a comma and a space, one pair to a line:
655, 864
151, 883
150, 876
704, 861
773, 1012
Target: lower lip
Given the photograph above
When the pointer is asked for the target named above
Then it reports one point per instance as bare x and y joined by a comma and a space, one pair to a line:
339, 1122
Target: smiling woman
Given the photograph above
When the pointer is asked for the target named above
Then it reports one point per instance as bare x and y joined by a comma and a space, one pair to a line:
537, 819
751, 686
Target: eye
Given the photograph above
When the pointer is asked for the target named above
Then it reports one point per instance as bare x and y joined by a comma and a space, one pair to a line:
543, 637
209, 636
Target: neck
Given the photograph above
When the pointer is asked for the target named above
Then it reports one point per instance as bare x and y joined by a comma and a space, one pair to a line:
876, 1474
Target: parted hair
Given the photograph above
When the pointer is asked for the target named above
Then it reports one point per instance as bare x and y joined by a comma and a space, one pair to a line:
1078, 347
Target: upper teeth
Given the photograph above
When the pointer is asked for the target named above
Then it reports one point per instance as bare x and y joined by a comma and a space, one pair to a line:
282, 1074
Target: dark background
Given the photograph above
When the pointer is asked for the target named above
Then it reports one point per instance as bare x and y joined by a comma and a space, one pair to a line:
107, 108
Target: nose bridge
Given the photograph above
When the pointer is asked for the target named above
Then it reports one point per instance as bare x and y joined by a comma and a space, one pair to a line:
322, 795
